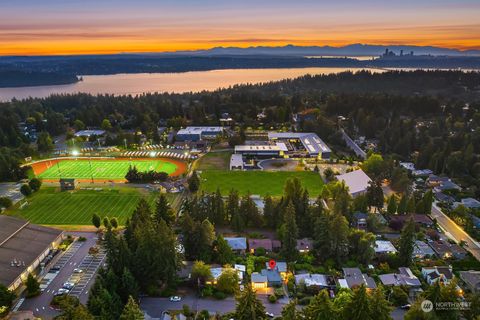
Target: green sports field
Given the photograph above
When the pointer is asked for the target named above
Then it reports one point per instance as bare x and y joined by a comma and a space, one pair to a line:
50, 206
258, 182
102, 169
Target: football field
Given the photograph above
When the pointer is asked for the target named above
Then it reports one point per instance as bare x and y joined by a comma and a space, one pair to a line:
53, 207
102, 169
258, 182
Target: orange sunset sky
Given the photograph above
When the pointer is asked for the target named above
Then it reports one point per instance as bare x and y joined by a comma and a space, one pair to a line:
34, 27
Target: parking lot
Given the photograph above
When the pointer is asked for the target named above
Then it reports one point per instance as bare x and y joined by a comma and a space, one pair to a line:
76, 257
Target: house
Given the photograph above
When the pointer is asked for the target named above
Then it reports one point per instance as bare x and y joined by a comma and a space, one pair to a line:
441, 183
422, 173
448, 250
360, 220
469, 203
421, 219
422, 250
404, 277
384, 247
315, 281
280, 267
357, 182
433, 274
68, 184
471, 279
410, 166
258, 281
89, 133
304, 245
445, 198
267, 244
217, 272
238, 244
274, 279
353, 277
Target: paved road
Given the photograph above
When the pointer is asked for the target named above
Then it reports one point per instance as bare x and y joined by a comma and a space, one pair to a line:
453, 231
154, 307
41, 305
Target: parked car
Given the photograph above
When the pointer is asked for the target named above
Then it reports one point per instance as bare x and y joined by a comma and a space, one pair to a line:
270, 315
61, 292
76, 270
68, 285
175, 298
406, 307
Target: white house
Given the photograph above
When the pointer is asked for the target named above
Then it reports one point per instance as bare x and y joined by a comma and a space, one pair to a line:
357, 182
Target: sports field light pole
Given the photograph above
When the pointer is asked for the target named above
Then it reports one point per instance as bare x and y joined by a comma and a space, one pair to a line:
91, 170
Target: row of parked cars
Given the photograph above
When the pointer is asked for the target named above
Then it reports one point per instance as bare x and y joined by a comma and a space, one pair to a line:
67, 286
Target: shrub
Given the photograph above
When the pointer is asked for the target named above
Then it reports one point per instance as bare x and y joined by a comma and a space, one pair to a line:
304, 301
219, 295
33, 286
35, 184
26, 190
5, 202
279, 292
399, 297
272, 298
82, 239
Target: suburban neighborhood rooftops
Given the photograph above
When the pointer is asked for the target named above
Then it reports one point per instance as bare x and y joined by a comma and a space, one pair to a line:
421, 249
314, 279
22, 242
237, 243
258, 278
446, 250
470, 203
417, 218
304, 245
471, 278
356, 181
267, 244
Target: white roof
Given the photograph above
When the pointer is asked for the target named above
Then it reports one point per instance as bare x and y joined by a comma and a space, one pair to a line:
384, 246
236, 160
312, 279
199, 130
312, 143
88, 133
356, 181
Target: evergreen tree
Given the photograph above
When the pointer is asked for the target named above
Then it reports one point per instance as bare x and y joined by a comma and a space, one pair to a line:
406, 243
289, 234
106, 223
248, 306
375, 195
320, 308
114, 223
289, 311
96, 220
269, 212
194, 182
131, 311
233, 213
32, 285
218, 209
402, 205
358, 308
338, 237
322, 236
164, 211
128, 286
392, 205
411, 205
427, 202
6, 299
223, 252
379, 307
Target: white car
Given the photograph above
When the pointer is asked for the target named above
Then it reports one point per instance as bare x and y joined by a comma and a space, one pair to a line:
76, 270
175, 299
68, 285
270, 315
61, 292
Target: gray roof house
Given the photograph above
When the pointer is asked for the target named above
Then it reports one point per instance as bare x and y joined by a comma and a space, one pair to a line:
421, 250
353, 277
404, 277
471, 279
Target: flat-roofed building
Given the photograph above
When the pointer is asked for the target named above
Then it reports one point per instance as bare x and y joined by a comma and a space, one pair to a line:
23, 246
314, 146
198, 133
88, 133
236, 162
265, 150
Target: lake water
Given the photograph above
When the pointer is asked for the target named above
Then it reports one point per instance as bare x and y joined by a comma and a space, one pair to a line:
194, 81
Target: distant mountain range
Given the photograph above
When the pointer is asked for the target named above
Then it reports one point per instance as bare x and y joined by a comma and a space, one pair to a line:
349, 50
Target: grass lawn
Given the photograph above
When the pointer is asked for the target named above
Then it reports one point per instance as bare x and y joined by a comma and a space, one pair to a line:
102, 169
258, 182
50, 206
215, 161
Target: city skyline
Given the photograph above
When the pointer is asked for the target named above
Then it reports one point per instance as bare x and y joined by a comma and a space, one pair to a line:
95, 27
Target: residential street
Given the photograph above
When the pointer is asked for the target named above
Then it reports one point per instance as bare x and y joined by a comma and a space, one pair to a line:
453, 231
